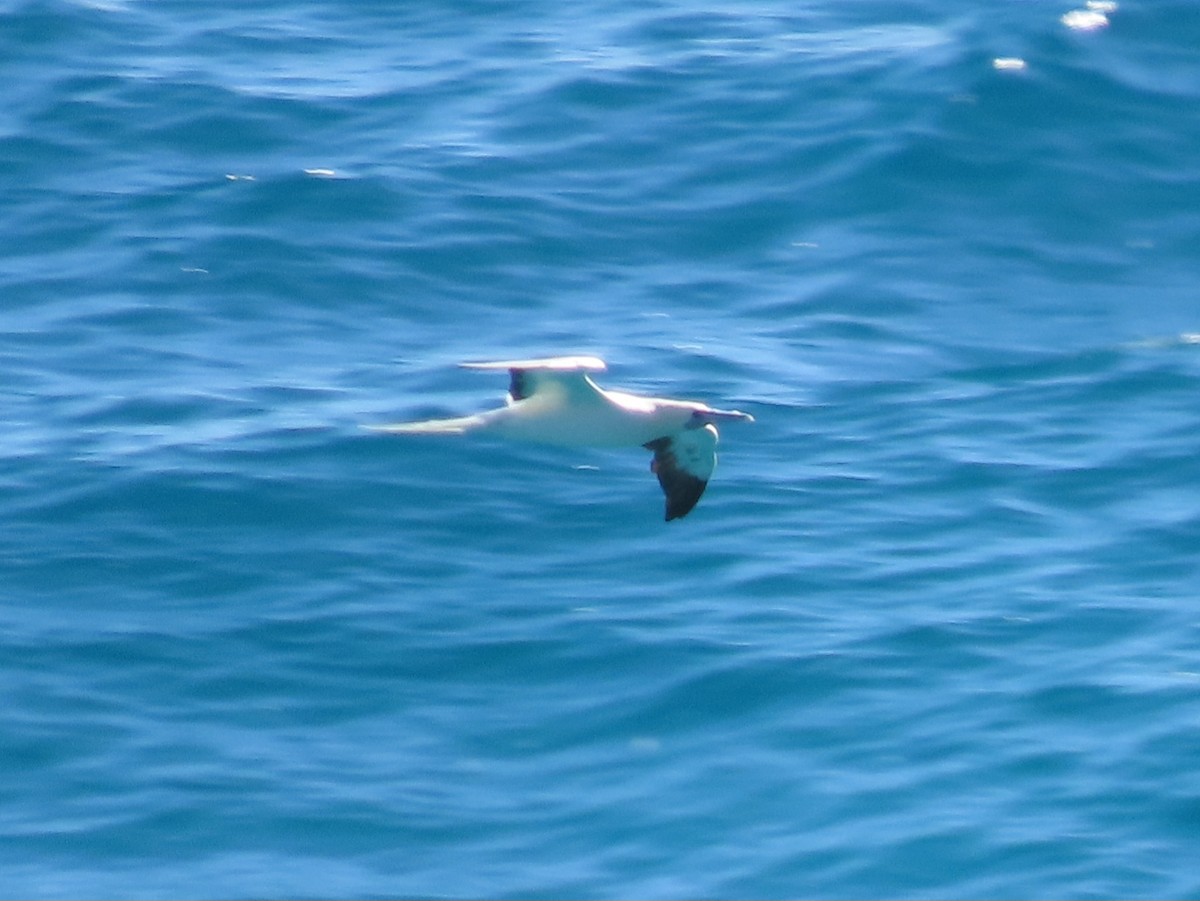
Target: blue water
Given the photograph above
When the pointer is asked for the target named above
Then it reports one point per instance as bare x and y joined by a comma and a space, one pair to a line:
933, 629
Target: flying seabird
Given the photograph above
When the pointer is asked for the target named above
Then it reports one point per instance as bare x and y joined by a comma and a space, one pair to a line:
555, 401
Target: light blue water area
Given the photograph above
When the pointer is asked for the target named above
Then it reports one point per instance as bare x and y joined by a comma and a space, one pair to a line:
932, 630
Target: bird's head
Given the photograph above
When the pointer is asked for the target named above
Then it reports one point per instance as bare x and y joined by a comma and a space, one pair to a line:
676, 415
703, 415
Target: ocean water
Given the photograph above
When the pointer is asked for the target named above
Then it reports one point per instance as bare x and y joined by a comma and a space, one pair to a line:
932, 631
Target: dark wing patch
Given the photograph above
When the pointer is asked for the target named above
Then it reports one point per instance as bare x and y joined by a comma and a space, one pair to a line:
682, 489
519, 387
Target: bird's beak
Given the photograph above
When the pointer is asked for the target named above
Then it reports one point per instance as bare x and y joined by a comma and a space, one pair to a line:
729, 414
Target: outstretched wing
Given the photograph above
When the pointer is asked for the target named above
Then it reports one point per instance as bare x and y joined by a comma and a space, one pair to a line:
528, 375
592, 364
684, 463
459, 425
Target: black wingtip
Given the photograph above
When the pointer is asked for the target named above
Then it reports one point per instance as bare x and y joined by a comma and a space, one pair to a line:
683, 491
685, 494
518, 385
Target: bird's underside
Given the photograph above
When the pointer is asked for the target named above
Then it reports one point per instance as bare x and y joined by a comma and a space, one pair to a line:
554, 401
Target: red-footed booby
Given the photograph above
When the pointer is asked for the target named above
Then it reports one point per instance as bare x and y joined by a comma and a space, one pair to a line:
555, 401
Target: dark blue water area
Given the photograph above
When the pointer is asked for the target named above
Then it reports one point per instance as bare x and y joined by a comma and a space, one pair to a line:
932, 629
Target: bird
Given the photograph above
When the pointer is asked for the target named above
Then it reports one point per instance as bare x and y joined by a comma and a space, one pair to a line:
553, 400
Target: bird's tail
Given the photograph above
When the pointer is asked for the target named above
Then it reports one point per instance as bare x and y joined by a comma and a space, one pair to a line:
457, 426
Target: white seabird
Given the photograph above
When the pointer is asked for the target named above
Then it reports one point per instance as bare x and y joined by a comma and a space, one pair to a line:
555, 401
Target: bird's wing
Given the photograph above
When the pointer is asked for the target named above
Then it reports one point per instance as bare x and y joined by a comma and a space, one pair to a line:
459, 425
591, 364
531, 376
684, 463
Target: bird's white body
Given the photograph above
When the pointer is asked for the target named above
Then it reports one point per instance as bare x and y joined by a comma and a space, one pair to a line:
581, 414
555, 401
